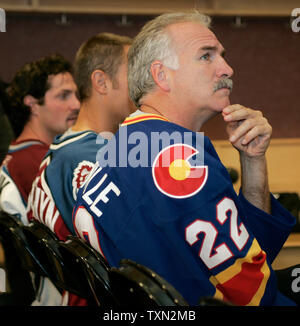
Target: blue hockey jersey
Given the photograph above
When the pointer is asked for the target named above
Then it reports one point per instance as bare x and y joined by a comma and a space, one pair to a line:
159, 195
54, 191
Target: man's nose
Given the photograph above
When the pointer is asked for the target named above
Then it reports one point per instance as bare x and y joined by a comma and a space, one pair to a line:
225, 70
75, 104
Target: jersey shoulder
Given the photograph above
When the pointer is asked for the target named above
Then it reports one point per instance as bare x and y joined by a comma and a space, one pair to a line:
75, 145
22, 163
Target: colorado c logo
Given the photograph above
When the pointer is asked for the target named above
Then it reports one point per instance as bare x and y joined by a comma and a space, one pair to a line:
174, 176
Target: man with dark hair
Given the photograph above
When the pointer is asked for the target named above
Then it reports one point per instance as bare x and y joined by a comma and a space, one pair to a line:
33, 84
101, 76
43, 104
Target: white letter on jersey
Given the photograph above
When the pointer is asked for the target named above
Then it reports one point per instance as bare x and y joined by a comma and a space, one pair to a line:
102, 196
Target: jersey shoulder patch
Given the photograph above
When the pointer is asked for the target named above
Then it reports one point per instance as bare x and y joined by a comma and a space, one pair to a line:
174, 176
80, 174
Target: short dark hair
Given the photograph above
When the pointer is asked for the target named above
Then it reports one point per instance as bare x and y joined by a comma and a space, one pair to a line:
32, 79
104, 51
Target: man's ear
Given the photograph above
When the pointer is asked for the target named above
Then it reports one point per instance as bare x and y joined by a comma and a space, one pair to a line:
32, 102
160, 75
100, 81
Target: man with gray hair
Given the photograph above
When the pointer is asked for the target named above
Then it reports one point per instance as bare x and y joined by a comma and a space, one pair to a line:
181, 219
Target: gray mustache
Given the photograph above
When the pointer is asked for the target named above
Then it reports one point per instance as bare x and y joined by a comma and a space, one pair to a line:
224, 83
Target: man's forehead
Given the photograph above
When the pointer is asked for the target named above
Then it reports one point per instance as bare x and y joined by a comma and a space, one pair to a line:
60, 80
187, 34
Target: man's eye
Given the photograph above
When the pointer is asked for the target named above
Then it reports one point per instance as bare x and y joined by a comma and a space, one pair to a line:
205, 56
64, 95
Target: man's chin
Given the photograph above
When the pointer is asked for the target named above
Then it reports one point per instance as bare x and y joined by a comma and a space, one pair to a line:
71, 122
221, 105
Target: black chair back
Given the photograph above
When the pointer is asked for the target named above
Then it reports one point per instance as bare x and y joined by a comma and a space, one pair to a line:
51, 253
13, 235
91, 270
20, 260
43, 244
136, 285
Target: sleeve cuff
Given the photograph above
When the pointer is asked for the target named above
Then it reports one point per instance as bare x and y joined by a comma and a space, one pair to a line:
270, 230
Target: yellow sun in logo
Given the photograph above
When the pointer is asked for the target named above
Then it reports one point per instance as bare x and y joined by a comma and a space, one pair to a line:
179, 169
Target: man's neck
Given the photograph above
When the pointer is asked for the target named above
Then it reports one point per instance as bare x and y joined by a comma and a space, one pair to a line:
93, 116
33, 131
180, 116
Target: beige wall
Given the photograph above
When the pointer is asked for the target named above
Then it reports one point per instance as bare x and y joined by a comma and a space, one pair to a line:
283, 158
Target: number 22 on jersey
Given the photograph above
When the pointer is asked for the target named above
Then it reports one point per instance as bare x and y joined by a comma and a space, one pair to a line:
210, 255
